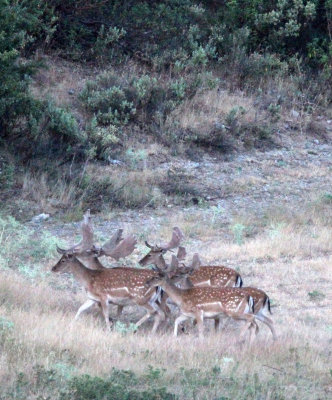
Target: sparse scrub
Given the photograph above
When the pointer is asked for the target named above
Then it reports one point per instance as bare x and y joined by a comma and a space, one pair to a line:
238, 232
130, 190
220, 120
21, 249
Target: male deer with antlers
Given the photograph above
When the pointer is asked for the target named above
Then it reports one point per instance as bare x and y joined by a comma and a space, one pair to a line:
120, 286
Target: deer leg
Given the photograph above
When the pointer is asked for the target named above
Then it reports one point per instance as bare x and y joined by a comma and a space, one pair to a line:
200, 324
250, 321
219, 326
251, 331
144, 318
106, 312
267, 321
178, 320
149, 312
84, 307
158, 318
163, 304
119, 311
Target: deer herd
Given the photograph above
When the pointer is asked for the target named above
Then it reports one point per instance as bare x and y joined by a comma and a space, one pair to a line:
198, 291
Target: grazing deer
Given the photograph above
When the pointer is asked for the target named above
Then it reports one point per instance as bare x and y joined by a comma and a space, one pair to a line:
206, 302
121, 286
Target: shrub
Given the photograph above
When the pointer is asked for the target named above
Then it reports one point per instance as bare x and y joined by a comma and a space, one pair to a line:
20, 26
7, 170
51, 384
109, 104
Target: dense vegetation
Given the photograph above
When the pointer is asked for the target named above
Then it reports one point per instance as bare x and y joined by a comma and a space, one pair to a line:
254, 38
152, 58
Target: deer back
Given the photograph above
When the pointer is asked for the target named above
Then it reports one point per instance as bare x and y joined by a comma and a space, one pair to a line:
216, 276
225, 300
123, 282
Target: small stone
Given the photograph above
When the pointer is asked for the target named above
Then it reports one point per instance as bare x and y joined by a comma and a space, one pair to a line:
115, 162
295, 113
40, 218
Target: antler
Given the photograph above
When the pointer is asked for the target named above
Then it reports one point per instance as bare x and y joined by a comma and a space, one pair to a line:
116, 247
87, 237
196, 262
121, 249
183, 269
110, 245
181, 255
177, 236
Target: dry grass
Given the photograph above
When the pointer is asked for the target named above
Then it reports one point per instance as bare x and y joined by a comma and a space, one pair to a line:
44, 334
208, 107
288, 258
60, 80
46, 194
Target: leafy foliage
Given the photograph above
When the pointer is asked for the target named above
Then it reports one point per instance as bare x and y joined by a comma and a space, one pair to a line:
246, 40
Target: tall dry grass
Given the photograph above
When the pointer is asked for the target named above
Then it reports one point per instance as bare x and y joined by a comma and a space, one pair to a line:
206, 108
44, 334
290, 260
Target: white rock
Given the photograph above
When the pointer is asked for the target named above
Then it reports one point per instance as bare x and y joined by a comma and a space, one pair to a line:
40, 218
295, 113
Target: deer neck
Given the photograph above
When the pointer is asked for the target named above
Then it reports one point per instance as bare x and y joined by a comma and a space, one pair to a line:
186, 283
173, 292
81, 273
93, 263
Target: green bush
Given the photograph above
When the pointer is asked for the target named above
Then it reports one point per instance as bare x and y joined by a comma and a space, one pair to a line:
19, 24
110, 104
20, 249
51, 384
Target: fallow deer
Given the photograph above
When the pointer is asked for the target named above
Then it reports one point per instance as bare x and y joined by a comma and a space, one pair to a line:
120, 286
87, 252
261, 299
206, 302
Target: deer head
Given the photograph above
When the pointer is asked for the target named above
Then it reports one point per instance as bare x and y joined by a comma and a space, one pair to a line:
174, 272
154, 256
65, 262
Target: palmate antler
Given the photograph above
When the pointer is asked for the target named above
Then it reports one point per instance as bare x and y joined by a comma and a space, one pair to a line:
123, 249
116, 247
177, 236
86, 243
